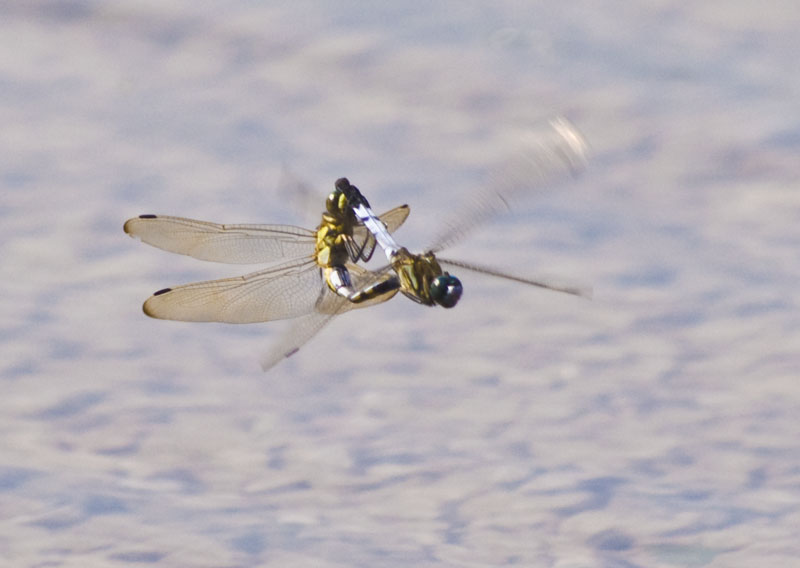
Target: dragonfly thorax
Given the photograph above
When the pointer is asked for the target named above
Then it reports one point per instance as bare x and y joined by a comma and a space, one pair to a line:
331, 245
422, 279
334, 244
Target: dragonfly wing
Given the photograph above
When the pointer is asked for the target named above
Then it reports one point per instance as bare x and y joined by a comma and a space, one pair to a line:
547, 282
329, 305
284, 291
542, 155
234, 244
394, 218
360, 246
299, 333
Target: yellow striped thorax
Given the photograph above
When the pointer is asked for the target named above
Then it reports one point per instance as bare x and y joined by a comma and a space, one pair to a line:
416, 273
334, 231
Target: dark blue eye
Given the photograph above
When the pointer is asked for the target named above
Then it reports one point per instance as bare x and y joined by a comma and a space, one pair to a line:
446, 290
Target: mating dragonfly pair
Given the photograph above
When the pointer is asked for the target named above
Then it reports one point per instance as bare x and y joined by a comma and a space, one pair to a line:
318, 276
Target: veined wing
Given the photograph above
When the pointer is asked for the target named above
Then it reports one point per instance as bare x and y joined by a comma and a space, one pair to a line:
542, 155
549, 283
329, 305
242, 244
361, 244
283, 291
233, 244
300, 332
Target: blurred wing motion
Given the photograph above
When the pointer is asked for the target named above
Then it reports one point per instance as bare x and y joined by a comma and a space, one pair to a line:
296, 287
305, 327
543, 155
548, 283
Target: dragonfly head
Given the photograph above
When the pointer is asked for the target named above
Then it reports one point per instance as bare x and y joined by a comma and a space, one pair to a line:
446, 290
344, 197
336, 203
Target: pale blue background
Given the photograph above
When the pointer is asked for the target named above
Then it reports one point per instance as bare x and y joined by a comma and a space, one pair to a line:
655, 426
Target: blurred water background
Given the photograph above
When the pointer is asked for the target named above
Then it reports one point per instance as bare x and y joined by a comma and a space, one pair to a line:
654, 426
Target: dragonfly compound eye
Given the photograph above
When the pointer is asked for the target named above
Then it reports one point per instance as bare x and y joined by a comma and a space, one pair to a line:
446, 290
336, 203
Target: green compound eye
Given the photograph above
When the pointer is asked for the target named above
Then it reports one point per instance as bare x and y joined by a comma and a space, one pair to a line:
446, 290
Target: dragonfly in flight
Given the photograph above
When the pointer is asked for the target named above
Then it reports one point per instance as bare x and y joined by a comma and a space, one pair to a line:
315, 275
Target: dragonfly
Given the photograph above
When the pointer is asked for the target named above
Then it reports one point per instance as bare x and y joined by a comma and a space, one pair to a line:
315, 275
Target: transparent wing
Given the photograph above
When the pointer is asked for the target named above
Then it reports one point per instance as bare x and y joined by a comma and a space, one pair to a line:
243, 244
542, 155
302, 196
299, 333
360, 250
549, 283
233, 244
284, 291
329, 305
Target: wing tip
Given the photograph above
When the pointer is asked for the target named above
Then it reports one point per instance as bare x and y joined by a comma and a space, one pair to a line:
149, 309
130, 225
577, 155
270, 362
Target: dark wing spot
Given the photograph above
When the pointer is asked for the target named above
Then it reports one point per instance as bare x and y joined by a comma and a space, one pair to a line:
292, 352
148, 216
163, 291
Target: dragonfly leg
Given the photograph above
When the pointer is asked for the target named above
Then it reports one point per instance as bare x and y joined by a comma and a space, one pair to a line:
338, 279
